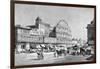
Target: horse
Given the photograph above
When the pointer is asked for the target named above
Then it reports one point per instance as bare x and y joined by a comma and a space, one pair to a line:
60, 52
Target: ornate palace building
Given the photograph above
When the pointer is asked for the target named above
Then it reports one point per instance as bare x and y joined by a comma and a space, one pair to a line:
63, 32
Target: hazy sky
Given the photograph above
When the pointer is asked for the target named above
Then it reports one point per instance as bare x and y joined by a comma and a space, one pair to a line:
77, 18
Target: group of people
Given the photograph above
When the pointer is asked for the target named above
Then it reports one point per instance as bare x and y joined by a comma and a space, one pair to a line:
61, 50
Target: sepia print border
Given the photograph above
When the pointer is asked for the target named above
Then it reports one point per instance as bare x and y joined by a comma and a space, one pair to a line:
12, 35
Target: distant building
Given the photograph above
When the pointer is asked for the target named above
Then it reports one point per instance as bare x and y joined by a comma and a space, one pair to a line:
91, 33
78, 42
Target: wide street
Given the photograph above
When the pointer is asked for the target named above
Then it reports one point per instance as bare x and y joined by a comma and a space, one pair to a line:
31, 59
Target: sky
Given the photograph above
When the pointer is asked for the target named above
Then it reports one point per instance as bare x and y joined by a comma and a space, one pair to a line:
76, 17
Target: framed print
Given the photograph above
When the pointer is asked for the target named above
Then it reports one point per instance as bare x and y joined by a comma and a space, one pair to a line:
51, 34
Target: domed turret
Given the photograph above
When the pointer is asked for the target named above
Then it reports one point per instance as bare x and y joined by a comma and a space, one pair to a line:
38, 20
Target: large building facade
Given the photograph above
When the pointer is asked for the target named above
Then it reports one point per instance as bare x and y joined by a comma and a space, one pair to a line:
42, 33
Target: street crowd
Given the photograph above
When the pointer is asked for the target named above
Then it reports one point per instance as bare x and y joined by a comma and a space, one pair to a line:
59, 50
